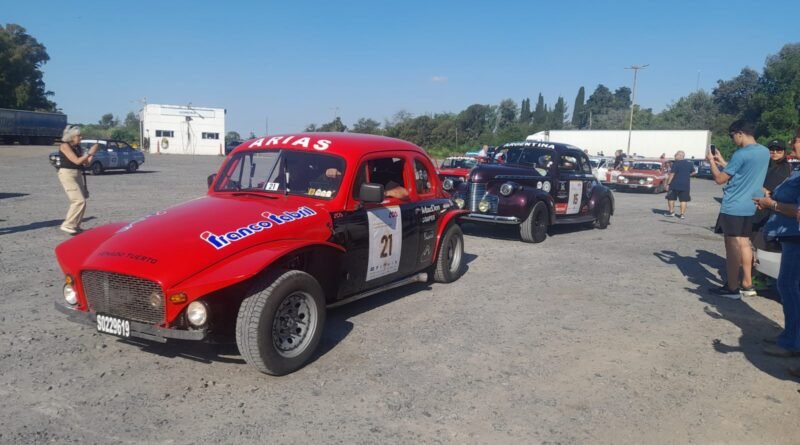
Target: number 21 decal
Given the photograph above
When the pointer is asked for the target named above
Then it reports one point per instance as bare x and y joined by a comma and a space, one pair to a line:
385, 241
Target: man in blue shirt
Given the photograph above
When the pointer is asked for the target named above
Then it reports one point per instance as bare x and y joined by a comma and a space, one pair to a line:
678, 183
743, 178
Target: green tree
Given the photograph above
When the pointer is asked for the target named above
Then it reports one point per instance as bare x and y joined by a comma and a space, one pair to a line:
540, 113
335, 125
107, 121
622, 99
697, 111
777, 98
367, 126
232, 136
559, 114
21, 79
525, 114
601, 101
734, 96
579, 117
506, 113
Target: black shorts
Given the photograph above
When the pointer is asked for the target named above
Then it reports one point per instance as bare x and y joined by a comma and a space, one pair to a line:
734, 225
682, 195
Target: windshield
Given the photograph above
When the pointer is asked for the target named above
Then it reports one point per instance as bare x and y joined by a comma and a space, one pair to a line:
283, 171
646, 166
539, 158
459, 163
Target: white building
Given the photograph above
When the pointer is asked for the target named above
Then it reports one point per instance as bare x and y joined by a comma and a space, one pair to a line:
183, 130
647, 143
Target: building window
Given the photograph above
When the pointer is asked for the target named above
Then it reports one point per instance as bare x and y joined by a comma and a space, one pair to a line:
210, 135
165, 134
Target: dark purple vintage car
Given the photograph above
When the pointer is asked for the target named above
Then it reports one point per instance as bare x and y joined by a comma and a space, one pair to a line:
540, 184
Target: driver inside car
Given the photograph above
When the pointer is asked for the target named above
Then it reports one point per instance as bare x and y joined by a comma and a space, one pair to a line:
389, 173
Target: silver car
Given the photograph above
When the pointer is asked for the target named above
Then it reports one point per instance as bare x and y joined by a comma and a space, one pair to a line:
112, 155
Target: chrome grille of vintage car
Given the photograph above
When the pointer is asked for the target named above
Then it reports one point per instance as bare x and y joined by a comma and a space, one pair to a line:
123, 296
475, 193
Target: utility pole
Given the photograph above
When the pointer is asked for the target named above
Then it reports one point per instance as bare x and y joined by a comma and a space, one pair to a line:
635, 69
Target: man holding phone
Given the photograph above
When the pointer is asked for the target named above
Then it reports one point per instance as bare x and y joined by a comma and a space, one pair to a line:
742, 178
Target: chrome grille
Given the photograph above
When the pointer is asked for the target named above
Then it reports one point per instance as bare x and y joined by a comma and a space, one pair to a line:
475, 194
123, 296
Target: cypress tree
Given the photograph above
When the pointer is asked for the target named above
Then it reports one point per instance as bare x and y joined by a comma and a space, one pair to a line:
579, 110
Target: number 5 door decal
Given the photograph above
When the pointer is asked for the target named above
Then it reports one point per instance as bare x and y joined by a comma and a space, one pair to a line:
385, 241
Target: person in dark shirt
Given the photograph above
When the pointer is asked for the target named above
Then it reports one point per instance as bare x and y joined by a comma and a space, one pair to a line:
619, 158
779, 169
679, 184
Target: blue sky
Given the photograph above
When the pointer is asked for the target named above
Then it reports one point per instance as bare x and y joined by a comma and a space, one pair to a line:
298, 62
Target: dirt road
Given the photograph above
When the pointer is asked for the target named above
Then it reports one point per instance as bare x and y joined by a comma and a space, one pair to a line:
592, 337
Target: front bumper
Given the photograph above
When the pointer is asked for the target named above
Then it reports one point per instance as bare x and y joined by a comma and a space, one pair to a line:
483, 217
141, 330
635, 186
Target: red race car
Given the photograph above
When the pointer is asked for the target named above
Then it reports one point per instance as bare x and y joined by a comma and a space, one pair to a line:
643, 174
456, 168
290, 225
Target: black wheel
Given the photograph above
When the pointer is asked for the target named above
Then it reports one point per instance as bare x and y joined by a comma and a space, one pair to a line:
603, 214
97, 168
449, 264
132, 167
280, 322
534, 228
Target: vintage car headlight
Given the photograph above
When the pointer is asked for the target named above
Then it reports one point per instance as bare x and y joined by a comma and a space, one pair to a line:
650, 179
507, 189
622, 179
156, 300
459, 203
70, 295
447, 184
484, 206
642, 181
197, 313
546, 186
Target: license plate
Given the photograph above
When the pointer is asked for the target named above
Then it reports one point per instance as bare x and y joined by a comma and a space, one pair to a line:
113, 325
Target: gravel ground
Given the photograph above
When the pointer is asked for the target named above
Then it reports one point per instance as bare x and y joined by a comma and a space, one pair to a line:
592, 337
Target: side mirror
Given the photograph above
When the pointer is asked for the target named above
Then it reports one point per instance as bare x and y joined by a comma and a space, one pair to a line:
370, 192
211, 179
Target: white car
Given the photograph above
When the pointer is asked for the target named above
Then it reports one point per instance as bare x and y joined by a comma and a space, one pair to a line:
600, 167
768, 261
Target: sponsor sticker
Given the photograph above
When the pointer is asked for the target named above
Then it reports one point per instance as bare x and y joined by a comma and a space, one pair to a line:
385, 241
270, 220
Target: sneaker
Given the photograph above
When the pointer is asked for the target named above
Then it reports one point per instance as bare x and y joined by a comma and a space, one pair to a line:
724, 292
672, 215
682, 216
778, 351
749, 291
69, 230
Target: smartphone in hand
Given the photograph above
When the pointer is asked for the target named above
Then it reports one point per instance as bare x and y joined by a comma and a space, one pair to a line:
713, 149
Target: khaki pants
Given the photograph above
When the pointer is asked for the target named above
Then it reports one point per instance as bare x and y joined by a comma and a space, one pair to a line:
75, 187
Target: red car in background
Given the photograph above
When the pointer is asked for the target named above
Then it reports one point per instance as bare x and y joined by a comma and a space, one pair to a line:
643, 174
457, 168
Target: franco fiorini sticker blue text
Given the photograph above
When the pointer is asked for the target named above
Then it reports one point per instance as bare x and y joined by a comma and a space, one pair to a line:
270, 220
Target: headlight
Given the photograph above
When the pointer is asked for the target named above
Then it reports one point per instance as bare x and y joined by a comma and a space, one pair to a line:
650, 179
70, 295
447, 184
459, 203
483, 206
546, 186
621, 178
507, 189
641, 181
156, 300
197, 313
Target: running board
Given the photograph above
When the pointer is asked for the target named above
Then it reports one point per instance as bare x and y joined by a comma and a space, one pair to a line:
416, 278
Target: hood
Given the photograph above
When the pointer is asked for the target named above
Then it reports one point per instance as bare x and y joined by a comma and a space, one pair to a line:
487, 172
454, 171
171, 245
642, 173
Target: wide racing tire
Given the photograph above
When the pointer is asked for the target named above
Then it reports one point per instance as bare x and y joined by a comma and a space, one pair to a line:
280, 323
534, 228
603, 214
450, 264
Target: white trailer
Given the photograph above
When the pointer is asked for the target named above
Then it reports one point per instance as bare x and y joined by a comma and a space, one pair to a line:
186, 129
646, 143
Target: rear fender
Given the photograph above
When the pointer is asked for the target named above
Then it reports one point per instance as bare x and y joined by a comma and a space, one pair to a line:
598, 194
248, 264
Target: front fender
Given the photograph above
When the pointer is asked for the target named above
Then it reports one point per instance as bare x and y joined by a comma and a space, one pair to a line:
444, 222
73, 252
242, 266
